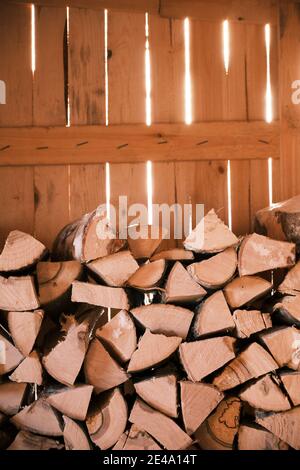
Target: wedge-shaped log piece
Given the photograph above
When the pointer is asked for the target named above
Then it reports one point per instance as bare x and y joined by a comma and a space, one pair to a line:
198, 400
139, 439
291, 382
284, 425
24, 328
160, 427
265, 394
289, 309
75, 437
248, 322
291, 282
55, 281
284, 345
148, 242
29, 371
169, 320
152, 350
251, 437
10, 357
119, 336
174, 254
216, 271
86, 239
18, 294
258, 253
219, 429
160, 392
63, 362
116, 269
20, 251
211, 235
109, 297
253, 362
11, 397
213, 316
28, 441
72, 401
101, 370
246, 289
107, 420
201, 358
148, 275
119, 445
181, 288
39, 418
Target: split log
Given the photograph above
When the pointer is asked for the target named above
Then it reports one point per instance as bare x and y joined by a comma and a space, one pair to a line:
291, 382
174, 254
280, 221
74, 436
198, 400
63, 362
246, 289
284, 345
160, 392
25, 440
18, 294
181, 288
284, 425
39, 418
266, 395
288, 309
107, 420
139, 439
21, 251
253, 362
152, 350
219, 429
215, 272
143, 248
29, 371
159, 426
213, 316
11, 397
248, 322
119, 336
108, 297
252, 437
169, 320
10, 357
101, 370
72, 401
291, 282
116, 269
148, 276
55, 281
201, 358
86, 239
119, 445
211, 235
258, 254
24, 328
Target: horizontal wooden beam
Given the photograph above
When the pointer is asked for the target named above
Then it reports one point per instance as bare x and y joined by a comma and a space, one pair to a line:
248, 11
228, 140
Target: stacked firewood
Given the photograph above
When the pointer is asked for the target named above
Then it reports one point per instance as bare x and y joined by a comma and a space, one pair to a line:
122, 345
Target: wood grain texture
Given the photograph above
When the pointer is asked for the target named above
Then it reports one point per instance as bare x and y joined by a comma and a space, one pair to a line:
16, 65
240, 200
86, 67
276, 180
48, 89
259, 187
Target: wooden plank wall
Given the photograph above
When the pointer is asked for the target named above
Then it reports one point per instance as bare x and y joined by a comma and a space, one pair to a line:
70, 63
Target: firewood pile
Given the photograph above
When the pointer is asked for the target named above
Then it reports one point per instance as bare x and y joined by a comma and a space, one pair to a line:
202, 350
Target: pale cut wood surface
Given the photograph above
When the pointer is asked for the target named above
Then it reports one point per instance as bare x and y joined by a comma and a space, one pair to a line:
12, 356
248, 322
255, 438
75, 437
29, 371
148, 275
246, 289
207, 321
291, 382
73, 401
285, 425
18, 294
181, 288
110, 297
283, 343
24, 328
160, 392
28, 441
115, 269
265, 394
20, 251
139, 440
38, 418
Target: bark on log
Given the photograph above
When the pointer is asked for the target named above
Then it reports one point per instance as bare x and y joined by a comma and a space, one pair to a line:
175, 254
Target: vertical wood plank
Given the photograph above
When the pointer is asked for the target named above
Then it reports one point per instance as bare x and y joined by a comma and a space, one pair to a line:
240, 190
17, 200
87, 189
276, 180
126, 67
48, 89
274, 69
52, 201
86, 67
259, 187
256, 71
15, 54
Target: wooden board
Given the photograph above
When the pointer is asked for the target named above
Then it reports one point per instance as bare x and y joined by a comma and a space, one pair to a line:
259, 187
276, 180
240, 194
16, 72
